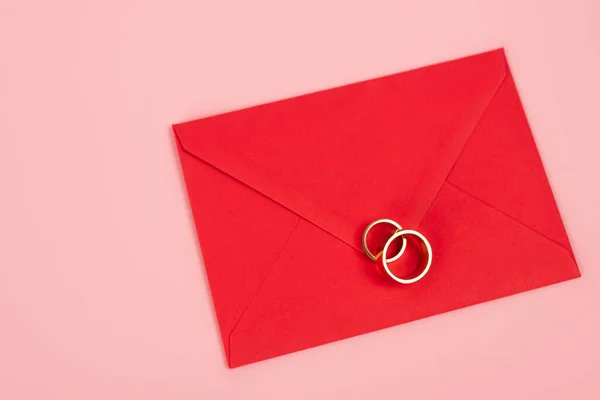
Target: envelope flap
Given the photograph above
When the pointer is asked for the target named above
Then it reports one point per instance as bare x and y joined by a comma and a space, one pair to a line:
342, 157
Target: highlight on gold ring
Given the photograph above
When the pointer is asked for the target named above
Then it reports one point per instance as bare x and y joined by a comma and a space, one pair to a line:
368, 229
425, 246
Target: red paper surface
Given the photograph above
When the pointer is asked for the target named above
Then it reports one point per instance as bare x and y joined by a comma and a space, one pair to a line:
282, 192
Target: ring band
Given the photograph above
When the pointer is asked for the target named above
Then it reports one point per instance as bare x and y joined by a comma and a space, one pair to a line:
423, 268
366, 232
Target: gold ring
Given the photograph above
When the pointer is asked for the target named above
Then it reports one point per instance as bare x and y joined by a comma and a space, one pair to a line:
366, 232
423, 268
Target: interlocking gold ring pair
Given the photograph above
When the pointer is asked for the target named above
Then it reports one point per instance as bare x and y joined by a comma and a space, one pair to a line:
426, 253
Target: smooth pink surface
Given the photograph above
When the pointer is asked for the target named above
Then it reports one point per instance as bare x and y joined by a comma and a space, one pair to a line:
102, 294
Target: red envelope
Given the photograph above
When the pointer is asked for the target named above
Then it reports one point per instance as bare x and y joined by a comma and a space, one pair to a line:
281, 193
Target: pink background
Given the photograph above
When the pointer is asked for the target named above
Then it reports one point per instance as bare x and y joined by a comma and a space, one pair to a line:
102, 293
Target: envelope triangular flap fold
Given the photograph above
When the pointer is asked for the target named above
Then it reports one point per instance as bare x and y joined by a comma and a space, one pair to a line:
343, 157
227, 214
501, 166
